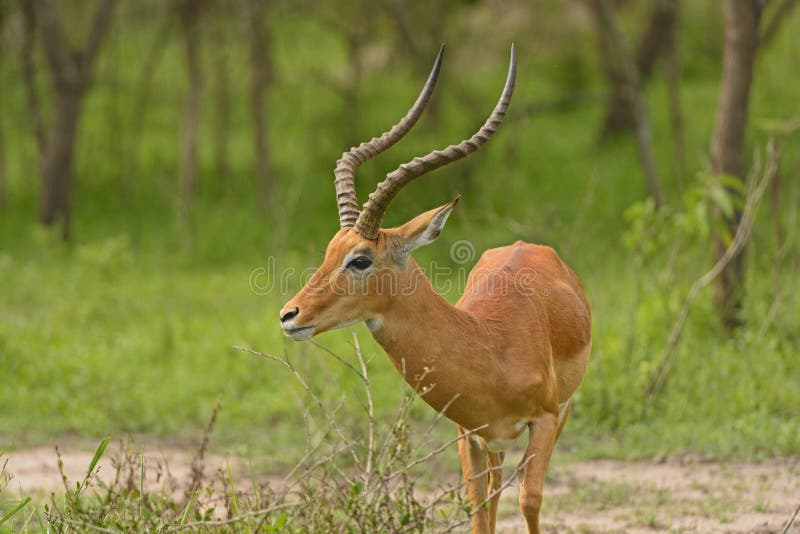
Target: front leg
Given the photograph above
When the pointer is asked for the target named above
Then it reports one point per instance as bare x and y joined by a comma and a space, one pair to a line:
542, 439
474, 468
495, 482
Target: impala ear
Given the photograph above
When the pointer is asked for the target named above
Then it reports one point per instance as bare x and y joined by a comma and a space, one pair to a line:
422, 229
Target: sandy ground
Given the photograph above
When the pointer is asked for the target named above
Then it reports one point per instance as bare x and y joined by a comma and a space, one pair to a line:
676, 494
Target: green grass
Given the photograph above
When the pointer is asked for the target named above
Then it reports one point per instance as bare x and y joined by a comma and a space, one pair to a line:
129, 329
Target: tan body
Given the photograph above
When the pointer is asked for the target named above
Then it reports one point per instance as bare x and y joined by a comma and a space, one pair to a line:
508, 356
514, 353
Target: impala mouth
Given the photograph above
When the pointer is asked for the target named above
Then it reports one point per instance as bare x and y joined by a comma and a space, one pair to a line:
299, 333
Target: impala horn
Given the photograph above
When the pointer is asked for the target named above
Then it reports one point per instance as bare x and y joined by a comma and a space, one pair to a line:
369, 221
350, 161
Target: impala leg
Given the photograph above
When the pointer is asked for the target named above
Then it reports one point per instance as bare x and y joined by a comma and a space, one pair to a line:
473, 463
495, 481
542, 438
562, 417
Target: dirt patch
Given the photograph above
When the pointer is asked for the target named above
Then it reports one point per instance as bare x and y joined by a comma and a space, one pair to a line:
675, 494
35, 471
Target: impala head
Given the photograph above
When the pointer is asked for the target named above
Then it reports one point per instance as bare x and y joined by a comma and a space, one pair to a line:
365, 266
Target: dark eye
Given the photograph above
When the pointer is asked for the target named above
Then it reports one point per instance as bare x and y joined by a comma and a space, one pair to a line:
359, 263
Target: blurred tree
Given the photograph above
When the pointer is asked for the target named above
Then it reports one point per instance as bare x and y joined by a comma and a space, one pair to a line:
616, 56
3, 180
152, 59
29, 70
727, 145
418, 33
222, 122
71, 74
780, 14
658, 40
261, 72
188, 12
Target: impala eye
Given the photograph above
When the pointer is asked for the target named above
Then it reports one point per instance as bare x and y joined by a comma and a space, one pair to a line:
359, 263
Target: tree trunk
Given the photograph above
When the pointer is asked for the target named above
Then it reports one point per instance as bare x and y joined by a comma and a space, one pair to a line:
617, 57
57, 161
655, 42
261, 72
3, 181
29, 71
71, 73
222, 121
144, 88
727, 145
188, 13
672, 63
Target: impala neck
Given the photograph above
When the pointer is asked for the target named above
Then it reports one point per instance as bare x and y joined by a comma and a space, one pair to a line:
423, 334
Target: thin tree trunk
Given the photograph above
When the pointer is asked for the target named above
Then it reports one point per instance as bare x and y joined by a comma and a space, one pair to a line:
773, 25
188, 13
727, 145
222, 120
672, 63
3, 179
261, 73
351, 88
29, 71
71, 73
654, 43
617, 56
57, 161
144, 88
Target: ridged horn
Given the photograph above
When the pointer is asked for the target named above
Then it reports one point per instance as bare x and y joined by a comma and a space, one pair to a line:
350, 161
369, 221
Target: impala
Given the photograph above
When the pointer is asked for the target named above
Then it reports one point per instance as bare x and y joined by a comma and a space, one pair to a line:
506, 358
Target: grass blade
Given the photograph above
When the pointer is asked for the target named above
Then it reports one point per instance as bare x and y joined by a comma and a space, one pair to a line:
97, 455
189, 505
8, 515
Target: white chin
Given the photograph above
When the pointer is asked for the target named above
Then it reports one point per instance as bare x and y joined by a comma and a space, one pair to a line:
300, 334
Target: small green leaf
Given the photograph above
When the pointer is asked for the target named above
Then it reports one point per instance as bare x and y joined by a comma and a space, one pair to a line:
731, 182
722, 199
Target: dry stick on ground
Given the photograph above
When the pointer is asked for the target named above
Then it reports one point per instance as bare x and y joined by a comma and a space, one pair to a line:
791, 520
752, 200
198, 463
88, 526
238, 519
370, 408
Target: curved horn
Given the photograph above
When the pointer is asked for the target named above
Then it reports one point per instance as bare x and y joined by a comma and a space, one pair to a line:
347, 165
369, 221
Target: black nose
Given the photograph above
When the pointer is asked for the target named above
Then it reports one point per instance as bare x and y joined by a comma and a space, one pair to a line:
290, 314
